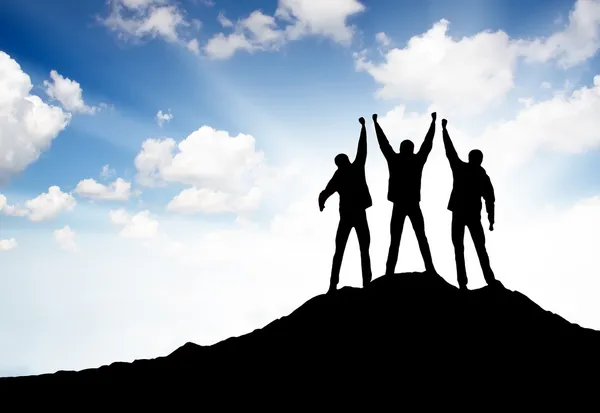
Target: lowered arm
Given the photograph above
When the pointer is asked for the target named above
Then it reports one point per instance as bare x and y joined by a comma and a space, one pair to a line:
490, 199
329, 190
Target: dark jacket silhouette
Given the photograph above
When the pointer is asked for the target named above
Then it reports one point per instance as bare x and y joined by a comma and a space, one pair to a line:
349, 181
404, 190
471, 184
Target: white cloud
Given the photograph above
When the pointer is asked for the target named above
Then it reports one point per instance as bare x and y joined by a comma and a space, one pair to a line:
299, 18
161, 117
224, 21
119, 190
68, 92
8, 244
206, 158
328, 19
107, 172
546, 85
65, 237
572, 45
27, 124
565, 123
138, 226
194, 200
432, 68
256, 32
11, 210
193, 46
139, 19
382, 39
48, 205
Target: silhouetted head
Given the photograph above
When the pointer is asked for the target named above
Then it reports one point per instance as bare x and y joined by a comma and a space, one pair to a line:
342, 160
407, 147
475, 157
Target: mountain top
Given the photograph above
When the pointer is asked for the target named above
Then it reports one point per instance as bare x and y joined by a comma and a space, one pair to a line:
408, 328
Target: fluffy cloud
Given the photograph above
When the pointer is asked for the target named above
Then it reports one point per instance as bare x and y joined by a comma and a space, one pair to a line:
65, 237
224, 171
207, 157
139, 19
27, 124
119, 190
48, 205
107, 172
8, 244
298, 18
138, 226
577, 42
68, 92
256, 32
161, 117
11, 210
319, 18
432, 68
194, 200
565, 123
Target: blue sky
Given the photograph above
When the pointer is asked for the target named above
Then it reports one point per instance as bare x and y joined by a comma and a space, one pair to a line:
260, 115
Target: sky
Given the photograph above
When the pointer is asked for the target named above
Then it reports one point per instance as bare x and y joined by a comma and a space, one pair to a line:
161, 160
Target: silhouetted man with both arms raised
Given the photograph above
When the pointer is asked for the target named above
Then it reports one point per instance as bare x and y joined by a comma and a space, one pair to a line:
349, 181
471, 183
404, 190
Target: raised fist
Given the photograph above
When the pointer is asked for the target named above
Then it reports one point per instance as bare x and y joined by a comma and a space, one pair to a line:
433, 116
374, 117
361, 120
444, 122
491, 227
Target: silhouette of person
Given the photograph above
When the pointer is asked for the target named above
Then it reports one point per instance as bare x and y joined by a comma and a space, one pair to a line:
471, 183
404, 191
350, 183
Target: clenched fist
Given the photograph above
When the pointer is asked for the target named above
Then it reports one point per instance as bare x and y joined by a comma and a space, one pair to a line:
433, 116
444, 123
361, 120
374, 117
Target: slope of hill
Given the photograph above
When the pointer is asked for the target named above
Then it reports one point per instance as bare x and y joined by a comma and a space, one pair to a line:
407, 328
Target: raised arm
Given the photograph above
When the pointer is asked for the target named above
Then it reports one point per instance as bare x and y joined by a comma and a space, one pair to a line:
450, 151
490, 199
428, 142
361, 153
329, 190
384, 144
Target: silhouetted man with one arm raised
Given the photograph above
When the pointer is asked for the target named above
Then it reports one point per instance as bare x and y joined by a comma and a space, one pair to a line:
404, 190
350, 183
471, 183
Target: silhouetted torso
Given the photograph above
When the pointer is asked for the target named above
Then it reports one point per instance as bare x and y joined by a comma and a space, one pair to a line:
404, 185
471, 183
351, 185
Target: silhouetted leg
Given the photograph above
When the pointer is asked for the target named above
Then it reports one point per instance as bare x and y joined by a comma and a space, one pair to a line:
416, 219
364, 241
458, 236
396, 226
341, 238
478, 237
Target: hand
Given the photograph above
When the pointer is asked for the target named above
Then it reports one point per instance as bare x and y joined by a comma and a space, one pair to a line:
361, 120
321, 207
491, 227
444, 122
433, 116
374, 117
